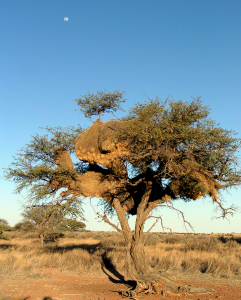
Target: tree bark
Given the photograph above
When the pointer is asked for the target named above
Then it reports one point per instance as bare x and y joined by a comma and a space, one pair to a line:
137, 251
137, 266
127, 236
135, 243
138, 256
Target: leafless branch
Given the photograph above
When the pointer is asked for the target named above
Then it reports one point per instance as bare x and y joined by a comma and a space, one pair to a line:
105, 219
225, 211
157, 219
181, 213
152, 226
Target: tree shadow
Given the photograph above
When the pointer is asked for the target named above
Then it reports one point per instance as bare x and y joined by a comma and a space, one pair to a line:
44, 298
5, 246
93, 248
113, 274
101, 252
224, 240
90, 248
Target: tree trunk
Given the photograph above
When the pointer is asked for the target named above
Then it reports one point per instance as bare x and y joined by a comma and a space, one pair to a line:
135, 244
138, 257
137, 251
137, 266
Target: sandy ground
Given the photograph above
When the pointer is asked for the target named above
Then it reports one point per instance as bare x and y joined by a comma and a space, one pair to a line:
63, 286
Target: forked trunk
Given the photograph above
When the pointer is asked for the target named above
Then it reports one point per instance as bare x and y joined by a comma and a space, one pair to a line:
137, 267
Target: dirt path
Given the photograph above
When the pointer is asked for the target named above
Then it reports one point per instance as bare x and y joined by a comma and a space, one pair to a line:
60, 286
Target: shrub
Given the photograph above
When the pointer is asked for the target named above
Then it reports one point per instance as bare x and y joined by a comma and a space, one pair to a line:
53, 235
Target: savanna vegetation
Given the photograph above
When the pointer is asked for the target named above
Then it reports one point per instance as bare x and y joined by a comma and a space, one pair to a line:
49, 222
160, 153
83, 253
4, 226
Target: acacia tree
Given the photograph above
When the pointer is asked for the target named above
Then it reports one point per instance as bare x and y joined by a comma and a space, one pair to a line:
36, 168
101, 102
49, 220
160, 153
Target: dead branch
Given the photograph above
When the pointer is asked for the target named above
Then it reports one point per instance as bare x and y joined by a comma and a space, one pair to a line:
180, 212
225, 211
149, 231
157, 219
105, 218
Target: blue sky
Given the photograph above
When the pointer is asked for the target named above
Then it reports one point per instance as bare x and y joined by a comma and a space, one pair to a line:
159, 48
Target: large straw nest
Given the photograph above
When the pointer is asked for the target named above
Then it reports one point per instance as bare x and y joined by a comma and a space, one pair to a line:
98, 144
94, 184
62, 158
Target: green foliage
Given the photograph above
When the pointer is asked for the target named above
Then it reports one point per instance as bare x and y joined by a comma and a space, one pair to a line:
53, 235
72, 225
178, 141
34, 166
24, 226
95, 104
4, 226
48, 218
173, 145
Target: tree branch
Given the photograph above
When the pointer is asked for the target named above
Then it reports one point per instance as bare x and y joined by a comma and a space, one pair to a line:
157, 219
105, 219
225, 211
180, 212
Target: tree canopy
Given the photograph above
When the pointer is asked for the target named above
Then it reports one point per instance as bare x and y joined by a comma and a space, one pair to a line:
161, 152
53, 219
101, 102
189, 154
36, 166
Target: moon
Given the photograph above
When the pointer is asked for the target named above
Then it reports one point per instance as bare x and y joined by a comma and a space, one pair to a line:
66, 19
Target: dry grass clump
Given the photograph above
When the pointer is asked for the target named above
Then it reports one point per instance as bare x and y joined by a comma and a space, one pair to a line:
27, 256
82, 252
205, 254
201, 243
77, 260
15, 264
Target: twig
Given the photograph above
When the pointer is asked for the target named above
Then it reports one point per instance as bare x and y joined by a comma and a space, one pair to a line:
157, 219
225, 211
181, 213
105, 219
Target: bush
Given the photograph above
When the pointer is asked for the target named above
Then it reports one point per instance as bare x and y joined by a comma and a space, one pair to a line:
4, 226
24, 226
53, 235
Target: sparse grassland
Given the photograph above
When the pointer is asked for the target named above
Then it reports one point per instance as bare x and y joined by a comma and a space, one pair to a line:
81, 253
